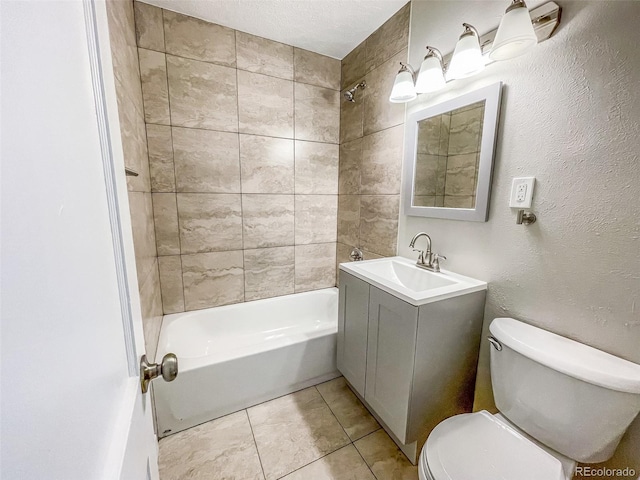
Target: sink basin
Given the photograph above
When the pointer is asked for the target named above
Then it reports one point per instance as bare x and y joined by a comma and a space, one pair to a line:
401, 277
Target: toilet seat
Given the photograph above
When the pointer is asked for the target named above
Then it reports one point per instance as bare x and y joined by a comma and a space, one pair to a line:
478, 446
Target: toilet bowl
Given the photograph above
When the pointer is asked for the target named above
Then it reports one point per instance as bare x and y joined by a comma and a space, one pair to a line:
481, 446
560, 402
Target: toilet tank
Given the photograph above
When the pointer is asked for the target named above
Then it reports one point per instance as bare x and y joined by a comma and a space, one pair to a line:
571, 397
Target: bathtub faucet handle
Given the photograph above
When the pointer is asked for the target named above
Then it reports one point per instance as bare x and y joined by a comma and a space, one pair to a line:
148, 371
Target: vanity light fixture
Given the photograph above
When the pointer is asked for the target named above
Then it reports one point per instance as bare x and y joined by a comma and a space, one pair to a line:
516, 34
431, 76
467, 57
404, 89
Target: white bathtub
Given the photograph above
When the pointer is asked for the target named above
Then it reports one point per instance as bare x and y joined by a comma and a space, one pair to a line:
236, 356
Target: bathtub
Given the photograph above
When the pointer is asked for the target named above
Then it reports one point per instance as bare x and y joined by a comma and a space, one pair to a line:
236, 356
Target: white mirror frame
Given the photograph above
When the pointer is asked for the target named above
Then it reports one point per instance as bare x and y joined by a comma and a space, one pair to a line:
491, 95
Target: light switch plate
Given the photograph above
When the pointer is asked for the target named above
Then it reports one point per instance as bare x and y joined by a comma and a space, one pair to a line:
522, 192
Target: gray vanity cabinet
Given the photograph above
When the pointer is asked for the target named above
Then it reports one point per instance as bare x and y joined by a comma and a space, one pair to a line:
390, 358
353, 320
413, 366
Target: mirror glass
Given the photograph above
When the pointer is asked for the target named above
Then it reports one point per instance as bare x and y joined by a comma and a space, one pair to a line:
448, 157
449, 153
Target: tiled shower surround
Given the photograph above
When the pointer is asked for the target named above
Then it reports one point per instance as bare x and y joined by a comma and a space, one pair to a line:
371, 143
243, 137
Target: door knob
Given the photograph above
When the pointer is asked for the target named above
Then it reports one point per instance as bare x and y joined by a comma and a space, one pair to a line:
148, 371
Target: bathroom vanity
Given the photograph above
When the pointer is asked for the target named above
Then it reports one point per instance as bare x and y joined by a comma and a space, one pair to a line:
408, 342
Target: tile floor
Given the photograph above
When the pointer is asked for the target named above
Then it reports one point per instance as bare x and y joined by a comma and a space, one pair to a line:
319, 433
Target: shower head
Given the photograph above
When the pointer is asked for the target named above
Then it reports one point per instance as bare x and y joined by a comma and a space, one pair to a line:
350, 95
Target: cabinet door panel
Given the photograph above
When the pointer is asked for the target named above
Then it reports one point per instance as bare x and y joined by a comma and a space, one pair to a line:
353, 318
390, 359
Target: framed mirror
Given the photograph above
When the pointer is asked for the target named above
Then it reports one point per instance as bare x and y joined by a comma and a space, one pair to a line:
449, 154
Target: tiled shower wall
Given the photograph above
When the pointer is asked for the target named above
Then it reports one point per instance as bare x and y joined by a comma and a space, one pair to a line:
371, 143
243, 137
134, 143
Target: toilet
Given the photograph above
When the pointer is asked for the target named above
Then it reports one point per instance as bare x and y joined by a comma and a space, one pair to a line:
560, 402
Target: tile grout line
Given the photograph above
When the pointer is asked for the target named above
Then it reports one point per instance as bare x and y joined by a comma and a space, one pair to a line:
255, 444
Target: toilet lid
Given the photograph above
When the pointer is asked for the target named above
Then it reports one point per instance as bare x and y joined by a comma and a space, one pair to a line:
478, 446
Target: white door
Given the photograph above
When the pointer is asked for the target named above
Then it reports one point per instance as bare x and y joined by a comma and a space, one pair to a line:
71, 328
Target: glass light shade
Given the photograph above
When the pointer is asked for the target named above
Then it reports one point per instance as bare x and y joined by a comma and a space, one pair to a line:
515, 36
467, 58
403, 89
431, 76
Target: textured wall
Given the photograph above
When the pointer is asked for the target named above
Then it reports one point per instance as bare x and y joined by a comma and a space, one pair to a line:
243, 143
134, 143
570, 118
371, 136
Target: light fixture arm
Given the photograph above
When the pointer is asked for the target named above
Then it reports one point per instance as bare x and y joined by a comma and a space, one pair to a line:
516, 4
469, 30
433, 52
405, 67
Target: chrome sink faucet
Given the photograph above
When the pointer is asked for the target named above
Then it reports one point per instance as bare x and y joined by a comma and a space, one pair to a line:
426, 259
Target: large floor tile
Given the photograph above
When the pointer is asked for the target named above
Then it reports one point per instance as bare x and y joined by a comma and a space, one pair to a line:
384, 458
222, 449
293, 431
354, 418
345, 464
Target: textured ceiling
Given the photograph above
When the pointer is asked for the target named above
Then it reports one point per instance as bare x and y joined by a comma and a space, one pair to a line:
329, 27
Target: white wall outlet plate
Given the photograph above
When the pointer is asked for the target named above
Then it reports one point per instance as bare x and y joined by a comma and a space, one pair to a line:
522, 192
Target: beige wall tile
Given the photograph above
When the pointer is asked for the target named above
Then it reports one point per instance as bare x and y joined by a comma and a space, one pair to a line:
268, 220
351, 116
354, 65
424, 200
382, 161
379, 112
379, 223
317, 113
265, 105
461, 175
165, 215
451, 201
343, 464
343, 253
426, 176
194, 38
171, 284
384, 458
209, 222
212, 279
206, 161
268, 272
429, 131
316, 218
316, 69
349, 219
155, 92
267, 164
149, 27
350, 167
151, 309
259, 55
134, 145
465, 132
315, 266
144, 237
389, 39
222, 448
350, 412
161, 168
316, 168
202, 95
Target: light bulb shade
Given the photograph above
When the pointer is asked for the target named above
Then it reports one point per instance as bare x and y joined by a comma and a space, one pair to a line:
431, 76
403, 88
467, 58
515, 36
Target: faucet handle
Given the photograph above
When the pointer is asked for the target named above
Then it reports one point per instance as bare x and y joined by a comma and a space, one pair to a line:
435, 261
421, 256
